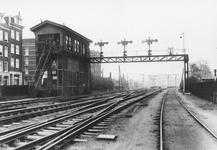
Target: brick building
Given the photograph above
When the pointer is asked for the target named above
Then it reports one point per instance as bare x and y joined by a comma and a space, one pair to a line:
29, 59
10, 49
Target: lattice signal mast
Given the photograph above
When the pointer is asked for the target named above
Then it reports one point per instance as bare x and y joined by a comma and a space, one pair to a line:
149, 42
101, 44
124, 43
170, 50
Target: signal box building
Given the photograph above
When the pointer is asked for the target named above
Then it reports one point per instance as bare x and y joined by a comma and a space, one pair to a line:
62, 58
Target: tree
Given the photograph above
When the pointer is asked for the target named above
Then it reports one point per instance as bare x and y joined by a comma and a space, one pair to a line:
198, 71
194, 73
205, 69
102, 84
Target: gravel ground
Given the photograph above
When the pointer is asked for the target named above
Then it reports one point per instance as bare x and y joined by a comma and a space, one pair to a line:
139, 132
181, 131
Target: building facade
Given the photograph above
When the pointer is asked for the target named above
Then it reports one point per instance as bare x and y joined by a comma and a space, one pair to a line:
95, 67
10, 50
29, 59
65, 55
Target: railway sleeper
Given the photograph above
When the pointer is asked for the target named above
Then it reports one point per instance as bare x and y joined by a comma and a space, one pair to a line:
62, 125
32, 137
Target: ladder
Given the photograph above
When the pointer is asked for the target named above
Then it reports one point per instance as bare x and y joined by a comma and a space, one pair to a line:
40, 68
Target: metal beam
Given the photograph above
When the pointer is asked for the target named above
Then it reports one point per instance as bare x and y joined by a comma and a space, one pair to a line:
151, 58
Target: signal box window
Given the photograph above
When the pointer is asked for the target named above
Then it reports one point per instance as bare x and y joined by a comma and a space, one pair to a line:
76, 46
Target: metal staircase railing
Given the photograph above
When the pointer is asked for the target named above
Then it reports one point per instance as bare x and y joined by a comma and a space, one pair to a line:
44, 58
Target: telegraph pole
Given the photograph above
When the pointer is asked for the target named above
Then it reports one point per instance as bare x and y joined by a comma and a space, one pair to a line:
149, 42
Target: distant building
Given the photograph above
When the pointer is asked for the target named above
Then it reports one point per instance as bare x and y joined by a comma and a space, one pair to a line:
10, 50
29, 59
95, 67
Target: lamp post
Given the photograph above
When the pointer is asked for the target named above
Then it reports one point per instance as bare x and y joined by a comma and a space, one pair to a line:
124, 43
182, 36
184, 69
101, 44
149, 42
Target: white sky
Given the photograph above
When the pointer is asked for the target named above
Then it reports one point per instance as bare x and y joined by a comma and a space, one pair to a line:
136, 20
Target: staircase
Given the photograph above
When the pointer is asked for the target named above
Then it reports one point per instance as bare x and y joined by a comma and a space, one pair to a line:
41, 66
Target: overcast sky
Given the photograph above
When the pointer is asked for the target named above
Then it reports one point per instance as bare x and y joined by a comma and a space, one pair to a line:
136, 20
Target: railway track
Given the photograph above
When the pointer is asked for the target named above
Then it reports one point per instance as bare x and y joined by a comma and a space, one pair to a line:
25, 113
55, 133
162, 143
23, 103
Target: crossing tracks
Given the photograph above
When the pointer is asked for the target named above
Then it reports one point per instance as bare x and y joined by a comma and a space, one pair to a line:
56, 132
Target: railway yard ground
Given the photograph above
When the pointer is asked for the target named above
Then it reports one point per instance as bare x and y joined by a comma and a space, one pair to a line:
136, 127
141, 131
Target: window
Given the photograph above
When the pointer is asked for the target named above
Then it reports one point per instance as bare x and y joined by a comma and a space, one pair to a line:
12, 48
67, 42
26, 71
27, 51
1, 65
70, 43
12, 34
12, 62
1, 50
17, 35
17, 49
1, 35
84, 49
76, 46
6, 51
6, 66
26, 61
6, 37
17, 63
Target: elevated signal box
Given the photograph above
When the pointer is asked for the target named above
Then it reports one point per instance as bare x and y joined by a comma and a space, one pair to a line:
62, 58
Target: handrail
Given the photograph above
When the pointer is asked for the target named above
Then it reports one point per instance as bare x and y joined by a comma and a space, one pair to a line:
39, 71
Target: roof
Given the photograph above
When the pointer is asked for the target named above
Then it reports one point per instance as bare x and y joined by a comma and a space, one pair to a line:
60, 26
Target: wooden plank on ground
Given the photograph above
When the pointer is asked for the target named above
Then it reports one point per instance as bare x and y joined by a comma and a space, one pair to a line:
106, 137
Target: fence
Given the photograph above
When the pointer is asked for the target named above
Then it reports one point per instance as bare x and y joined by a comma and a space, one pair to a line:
14, 90
205, 90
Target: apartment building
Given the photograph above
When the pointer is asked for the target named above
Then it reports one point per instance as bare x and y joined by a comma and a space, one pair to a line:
29, 60
10, 49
